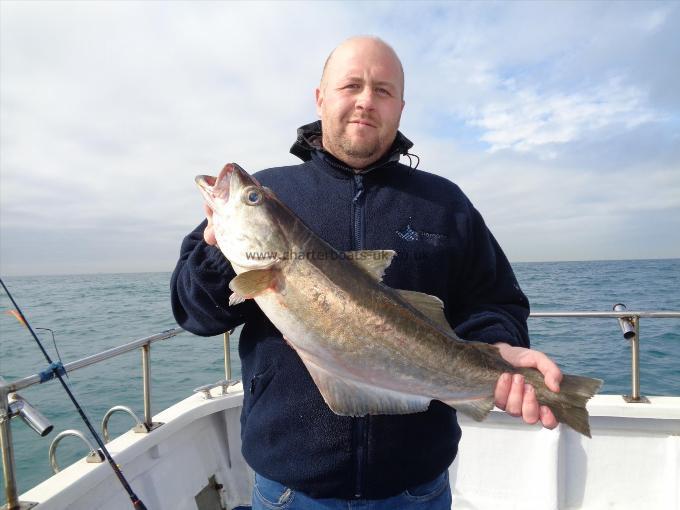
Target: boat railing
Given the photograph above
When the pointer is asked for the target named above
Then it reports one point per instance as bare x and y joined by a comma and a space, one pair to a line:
629, 321
11, 404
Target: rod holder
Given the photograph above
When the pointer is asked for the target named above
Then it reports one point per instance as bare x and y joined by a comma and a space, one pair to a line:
626, 323
19, 406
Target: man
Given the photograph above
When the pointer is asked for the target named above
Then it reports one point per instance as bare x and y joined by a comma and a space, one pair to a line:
353, 193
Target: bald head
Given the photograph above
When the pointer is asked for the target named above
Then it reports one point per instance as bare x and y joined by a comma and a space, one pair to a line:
362, 43
360, 100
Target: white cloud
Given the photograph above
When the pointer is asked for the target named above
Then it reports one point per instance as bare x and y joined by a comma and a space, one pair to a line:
529, 120
123, 103
655, 19
108, 110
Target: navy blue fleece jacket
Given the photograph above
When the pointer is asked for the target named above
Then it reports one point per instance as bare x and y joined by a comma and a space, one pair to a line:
443, 248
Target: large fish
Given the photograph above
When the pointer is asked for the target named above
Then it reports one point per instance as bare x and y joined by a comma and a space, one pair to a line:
369, 348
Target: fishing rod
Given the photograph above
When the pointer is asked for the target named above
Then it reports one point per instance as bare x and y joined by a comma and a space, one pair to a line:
57, 370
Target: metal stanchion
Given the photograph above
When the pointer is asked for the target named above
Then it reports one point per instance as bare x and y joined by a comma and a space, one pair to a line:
630, 327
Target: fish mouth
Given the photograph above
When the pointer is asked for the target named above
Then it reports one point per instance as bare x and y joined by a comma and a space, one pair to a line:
230, 179
215, 189
205, 182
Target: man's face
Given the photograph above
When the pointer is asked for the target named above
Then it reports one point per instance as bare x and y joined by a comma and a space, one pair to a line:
360, 102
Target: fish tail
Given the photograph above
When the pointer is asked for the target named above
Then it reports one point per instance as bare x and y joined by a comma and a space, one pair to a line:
569, 404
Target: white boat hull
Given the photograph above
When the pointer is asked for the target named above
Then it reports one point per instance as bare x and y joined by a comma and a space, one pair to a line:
166, 468
631, 462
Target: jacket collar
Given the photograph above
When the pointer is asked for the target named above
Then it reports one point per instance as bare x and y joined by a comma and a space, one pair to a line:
309, 142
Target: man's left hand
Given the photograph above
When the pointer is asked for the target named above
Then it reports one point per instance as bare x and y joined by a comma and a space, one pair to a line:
516, 397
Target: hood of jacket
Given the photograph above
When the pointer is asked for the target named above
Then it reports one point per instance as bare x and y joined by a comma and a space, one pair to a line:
309, 140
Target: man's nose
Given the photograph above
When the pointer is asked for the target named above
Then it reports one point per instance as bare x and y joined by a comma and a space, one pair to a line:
366, 99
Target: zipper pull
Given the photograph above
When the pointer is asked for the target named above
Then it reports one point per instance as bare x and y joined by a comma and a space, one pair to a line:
358, 180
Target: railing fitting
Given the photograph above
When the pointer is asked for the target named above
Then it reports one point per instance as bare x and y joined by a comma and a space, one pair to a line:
139, 426
95, 456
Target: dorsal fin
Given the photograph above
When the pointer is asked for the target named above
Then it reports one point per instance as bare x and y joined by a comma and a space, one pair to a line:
431, 306
375, 262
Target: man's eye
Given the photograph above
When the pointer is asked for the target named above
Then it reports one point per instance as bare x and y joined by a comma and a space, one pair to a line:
383, 92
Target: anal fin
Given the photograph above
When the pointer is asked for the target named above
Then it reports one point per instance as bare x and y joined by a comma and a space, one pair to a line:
477, 409
348, 397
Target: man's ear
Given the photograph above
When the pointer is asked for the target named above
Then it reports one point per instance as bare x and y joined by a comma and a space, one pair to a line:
319, 101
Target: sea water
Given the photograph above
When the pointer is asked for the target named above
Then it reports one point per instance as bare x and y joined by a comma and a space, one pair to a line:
91, 313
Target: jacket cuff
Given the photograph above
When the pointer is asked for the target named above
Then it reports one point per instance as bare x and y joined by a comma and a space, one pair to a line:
490, 329
214, 261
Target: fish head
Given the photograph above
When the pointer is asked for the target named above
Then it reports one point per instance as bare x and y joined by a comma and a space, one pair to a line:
248, 219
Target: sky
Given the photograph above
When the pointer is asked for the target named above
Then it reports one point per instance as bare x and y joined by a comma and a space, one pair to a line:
560, 120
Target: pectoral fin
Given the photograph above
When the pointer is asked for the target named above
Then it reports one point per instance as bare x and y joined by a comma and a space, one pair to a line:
375, 262
235, 299
431, 306
251, 283
349, 397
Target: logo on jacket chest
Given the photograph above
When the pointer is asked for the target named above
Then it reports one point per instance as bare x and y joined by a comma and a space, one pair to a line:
409, 234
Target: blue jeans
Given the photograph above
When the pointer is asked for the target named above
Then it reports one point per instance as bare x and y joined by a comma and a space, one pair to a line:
432, 495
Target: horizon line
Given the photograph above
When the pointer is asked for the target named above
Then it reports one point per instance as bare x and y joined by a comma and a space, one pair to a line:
94, 273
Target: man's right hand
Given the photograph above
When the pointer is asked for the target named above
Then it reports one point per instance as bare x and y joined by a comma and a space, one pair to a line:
209, 232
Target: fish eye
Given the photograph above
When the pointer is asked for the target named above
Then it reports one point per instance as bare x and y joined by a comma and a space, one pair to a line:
252, 196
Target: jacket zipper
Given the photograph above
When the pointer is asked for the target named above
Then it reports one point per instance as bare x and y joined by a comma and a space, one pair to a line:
360, 423
358, 203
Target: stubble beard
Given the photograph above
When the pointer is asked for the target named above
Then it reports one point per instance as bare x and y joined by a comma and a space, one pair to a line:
361, 149
344, 147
